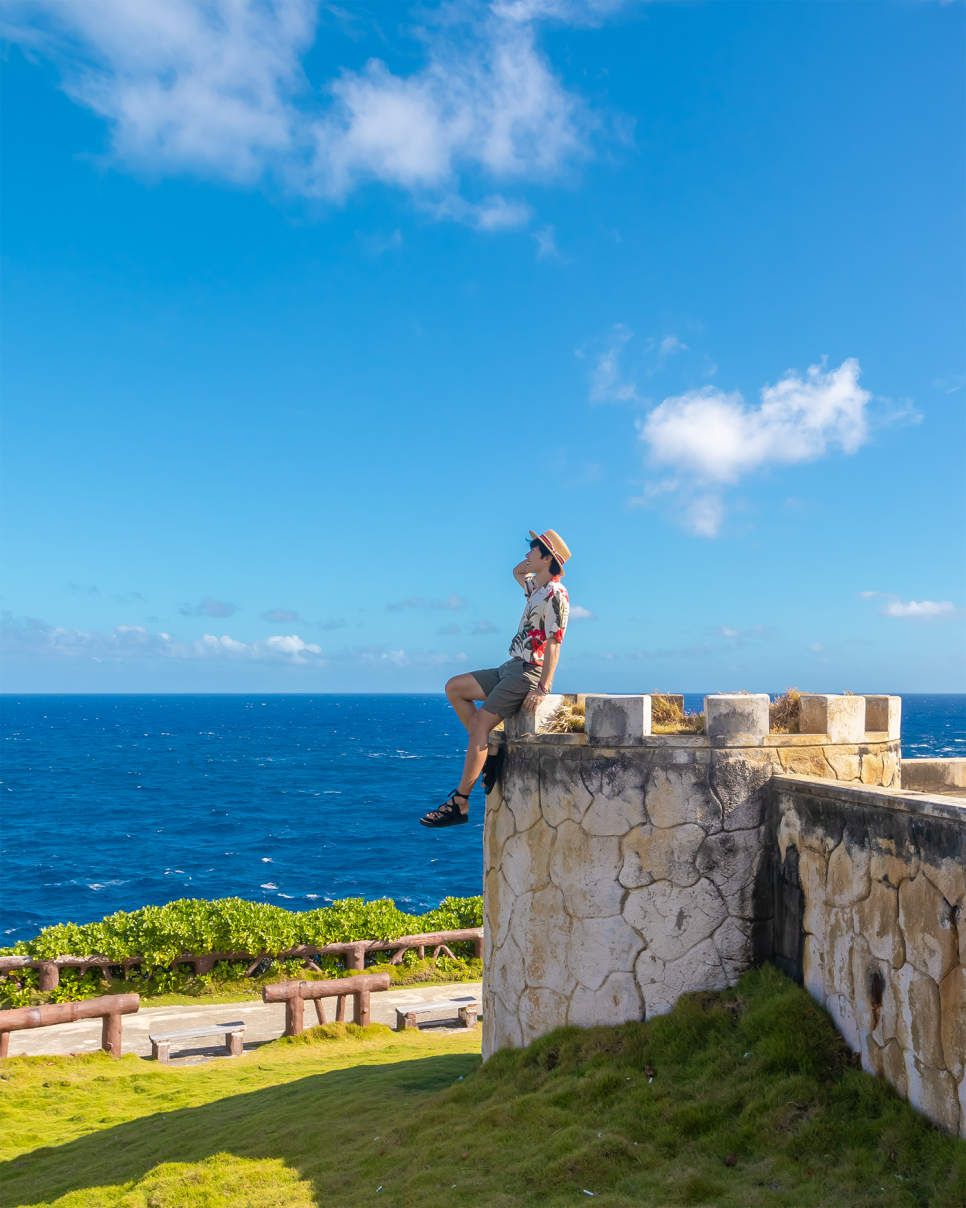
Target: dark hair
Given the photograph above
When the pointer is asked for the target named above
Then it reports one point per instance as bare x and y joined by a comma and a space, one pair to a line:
555, 567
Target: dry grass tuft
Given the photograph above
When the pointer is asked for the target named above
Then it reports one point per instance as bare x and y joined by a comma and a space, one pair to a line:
667, 716
783, 712
569, 719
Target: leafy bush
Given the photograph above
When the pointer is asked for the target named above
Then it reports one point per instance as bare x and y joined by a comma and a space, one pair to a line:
160, 934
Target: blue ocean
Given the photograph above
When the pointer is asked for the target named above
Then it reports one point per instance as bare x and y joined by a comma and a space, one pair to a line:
113, 802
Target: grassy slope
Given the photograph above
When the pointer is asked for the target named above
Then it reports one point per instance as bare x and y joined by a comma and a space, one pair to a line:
296, 1123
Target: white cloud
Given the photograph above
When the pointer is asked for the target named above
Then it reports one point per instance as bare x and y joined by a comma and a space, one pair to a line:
485, 627
577, 613
217, 87
922, 610
704, 516
717, 438
30, 636
607, 381
279, 616
452, 603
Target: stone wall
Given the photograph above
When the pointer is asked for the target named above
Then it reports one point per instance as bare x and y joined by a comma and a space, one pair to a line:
869, 888
619, 876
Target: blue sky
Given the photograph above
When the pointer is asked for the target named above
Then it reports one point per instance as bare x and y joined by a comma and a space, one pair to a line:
311, 312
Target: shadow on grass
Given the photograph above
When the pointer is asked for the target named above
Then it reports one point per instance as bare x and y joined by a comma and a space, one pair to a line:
310, 1124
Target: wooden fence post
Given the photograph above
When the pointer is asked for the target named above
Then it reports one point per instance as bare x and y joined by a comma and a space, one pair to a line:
340, 1009
111, 1035
4, 1043
294, 1016
362, 1008
49, 976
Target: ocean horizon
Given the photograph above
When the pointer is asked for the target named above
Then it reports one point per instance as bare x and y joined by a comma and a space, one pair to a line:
119, 801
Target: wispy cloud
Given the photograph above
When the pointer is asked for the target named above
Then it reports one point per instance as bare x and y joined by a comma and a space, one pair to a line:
130, 597
485, 627
217, 88
914, 610
577, 613
208, 607
81, 589
452, 603
448, 630
29, 636
608, 383
279, 616
546, 242
335, 624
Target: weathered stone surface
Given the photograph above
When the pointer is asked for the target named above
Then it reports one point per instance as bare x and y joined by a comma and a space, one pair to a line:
615, 717
811, 874
962, 1108
541, 927
894, 1063
663, 982
655, 853
618, 1000
733, 942
681, 793
872, 767
877, 919
804, 761
813, 968
731, 860
498, 826
526, 858
947, 873
883, 713
674, 920
918, 1015
739, 780
617, 785
524, 723
729, 715
839, 1006
563, 794
649, 975
872, 1057
842, 718
505, 974
789, 832
599, 947
541, 1010
498, 901
587, 867
890, 863
890, 770
933, 1092
501, 1026
926, 919
952, 996
935, 775
845, 763
873, 997
521, 789
847, 880
838, 953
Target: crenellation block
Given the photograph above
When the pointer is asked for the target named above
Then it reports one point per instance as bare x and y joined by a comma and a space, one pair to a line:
842, 718
741, 714
883, 714
523, 723
615, 717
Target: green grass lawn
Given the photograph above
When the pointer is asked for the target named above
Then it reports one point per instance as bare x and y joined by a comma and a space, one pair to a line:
642, 1114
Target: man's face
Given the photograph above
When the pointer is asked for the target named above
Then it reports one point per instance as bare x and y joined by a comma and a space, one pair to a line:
536, 561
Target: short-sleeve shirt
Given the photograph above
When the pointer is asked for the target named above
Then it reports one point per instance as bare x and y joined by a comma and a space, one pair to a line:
544, 620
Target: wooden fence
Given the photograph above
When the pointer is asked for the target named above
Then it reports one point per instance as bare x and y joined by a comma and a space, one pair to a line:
294, 994
110, 1007
354, 952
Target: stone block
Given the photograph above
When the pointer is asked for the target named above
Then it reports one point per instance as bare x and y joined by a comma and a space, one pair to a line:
848, 879
918, 1015
505, 974
874, 999
653, 853
928, 927
838, 954
842, 718
616, 1001
680, 793
521, 788
730, 860
586, 868
804, 761
933, 1091
501, 1027
946, 870
599, 947
891, 863
740, 782
498, 902
541, 928
541, 1010
877, 920
935, 775
663, 982
563, 794
811, 877
846, 765
674, 920
733, 942
525, 861
883, 713
617, 786
611, 718
952, 996
728, 715
523, 723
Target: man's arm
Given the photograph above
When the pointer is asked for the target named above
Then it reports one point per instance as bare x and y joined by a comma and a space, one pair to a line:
551, 653
520, 573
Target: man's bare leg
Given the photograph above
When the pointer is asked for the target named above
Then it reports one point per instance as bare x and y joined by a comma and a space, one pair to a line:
462, 692
476, 751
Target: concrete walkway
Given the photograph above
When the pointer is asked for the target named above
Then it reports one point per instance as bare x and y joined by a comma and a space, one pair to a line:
263, 1022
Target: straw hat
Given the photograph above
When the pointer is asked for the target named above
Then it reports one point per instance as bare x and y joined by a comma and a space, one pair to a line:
554, 542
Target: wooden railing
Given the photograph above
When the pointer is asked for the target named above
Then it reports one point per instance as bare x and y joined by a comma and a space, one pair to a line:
110, 1007
354, 952
294, 994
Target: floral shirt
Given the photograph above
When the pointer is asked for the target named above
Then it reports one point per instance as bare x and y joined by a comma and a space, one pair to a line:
544, 620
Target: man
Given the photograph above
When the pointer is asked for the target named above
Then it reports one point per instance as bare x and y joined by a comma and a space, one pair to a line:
522, 680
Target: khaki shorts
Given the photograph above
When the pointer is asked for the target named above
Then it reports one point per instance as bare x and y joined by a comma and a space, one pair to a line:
507, 686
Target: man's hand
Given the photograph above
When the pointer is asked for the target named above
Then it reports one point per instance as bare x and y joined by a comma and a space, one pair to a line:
521, 571
533, 699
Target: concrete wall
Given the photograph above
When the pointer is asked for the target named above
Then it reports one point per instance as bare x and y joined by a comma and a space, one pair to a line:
869, 888
945, 776
618, 877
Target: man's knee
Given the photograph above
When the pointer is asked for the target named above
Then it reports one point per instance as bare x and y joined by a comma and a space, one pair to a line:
481, 725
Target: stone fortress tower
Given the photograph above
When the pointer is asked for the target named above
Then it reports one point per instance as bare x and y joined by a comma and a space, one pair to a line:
624, 868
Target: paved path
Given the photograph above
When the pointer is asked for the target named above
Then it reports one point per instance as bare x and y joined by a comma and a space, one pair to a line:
263, 1022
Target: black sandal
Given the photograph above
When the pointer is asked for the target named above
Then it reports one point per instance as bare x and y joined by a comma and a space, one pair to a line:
492, 769
448, 814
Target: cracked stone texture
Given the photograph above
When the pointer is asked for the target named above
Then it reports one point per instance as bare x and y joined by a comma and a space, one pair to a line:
894, 979
620, 877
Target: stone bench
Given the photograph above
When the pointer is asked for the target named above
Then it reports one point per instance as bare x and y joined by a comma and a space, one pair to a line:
467, 1010
234, 1034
